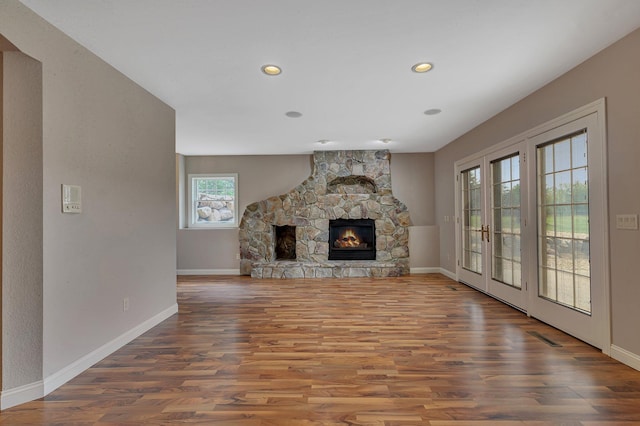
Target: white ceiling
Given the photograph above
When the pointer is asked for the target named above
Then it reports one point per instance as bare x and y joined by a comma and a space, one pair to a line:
346, 63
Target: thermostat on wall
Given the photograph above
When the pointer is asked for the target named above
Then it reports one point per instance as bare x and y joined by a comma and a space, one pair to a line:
71, 199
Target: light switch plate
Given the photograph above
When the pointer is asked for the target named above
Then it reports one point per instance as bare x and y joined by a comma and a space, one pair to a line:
71, 199
627, 221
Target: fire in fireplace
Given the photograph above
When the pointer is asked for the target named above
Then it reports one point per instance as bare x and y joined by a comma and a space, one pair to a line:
352, 239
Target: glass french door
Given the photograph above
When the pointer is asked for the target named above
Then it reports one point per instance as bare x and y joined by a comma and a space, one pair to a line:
506, 212
490, 230
472, 264
532, 224
570, 291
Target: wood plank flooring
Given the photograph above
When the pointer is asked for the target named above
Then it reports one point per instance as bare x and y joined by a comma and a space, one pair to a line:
417, 350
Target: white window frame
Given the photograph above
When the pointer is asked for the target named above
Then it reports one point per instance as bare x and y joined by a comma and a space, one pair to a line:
193, 222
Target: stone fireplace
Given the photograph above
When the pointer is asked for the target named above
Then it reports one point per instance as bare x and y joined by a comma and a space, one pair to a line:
343, 221
352, 239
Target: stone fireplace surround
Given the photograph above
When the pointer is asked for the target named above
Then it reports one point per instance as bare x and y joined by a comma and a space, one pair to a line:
343, 185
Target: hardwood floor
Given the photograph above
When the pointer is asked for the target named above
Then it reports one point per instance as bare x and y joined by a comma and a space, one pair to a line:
402, 351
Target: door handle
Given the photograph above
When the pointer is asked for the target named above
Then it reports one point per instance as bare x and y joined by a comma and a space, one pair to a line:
482, 231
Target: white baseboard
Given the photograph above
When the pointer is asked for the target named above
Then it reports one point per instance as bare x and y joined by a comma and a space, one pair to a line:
425, 270
61, 377
208, 272
12, 397
625, 357
16, 396
449, 274
434, 270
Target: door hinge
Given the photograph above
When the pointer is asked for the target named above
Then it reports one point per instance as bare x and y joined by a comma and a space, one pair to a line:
524, 157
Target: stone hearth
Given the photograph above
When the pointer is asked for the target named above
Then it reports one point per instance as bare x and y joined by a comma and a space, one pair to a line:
344, 185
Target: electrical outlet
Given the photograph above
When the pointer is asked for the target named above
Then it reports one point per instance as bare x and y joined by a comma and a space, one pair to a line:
125, 304
237, 256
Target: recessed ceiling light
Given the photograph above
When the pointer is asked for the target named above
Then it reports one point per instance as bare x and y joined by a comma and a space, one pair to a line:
271, 69
385, 140
421, 67
324, 141
433, 111
293, 114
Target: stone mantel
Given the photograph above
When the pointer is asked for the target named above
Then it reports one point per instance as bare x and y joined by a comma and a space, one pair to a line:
343, 185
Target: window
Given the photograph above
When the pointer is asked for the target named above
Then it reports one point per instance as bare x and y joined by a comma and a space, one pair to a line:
507, 267
213, 200
472, 215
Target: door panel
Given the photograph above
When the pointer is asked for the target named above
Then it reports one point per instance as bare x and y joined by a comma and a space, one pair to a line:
471, 220
568, 169
507, 185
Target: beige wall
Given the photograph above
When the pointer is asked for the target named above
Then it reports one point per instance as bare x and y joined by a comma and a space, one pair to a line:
22, 219
413, 183
260, 177
103, 132
613, 74
2, 43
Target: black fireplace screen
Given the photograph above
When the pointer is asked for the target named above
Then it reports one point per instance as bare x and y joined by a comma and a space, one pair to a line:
352, 239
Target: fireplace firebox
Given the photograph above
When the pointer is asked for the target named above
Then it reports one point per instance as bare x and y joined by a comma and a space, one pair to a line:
352, 239
285, 247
